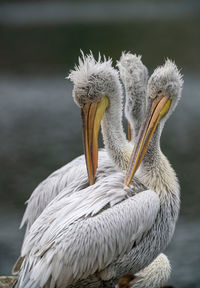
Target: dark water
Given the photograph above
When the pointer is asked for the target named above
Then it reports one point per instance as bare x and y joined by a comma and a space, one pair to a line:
40, 131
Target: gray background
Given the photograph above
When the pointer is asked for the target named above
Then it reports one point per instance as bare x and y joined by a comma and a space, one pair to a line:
40, 125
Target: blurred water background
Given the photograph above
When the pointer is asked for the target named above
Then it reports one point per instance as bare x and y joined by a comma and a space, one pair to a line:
40, 125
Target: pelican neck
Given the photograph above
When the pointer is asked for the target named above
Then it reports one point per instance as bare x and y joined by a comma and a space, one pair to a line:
114, 137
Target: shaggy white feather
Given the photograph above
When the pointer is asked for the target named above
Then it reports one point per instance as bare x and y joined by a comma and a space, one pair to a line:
87, 78
69, 235
73, 174
134, 76
154, 275
68, 174
168, 80
75, 243
92, 81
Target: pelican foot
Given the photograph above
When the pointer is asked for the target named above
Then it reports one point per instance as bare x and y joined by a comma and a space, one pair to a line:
127, 280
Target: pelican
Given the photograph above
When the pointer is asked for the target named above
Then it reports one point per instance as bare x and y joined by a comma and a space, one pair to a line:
104, 230
56, 181
137, 88
69, 175
73, 175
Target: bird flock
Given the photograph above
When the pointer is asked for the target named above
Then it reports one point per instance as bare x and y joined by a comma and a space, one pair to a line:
105, 218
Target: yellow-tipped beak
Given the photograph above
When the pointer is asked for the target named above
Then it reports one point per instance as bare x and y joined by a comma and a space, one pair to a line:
156, 110
92, 114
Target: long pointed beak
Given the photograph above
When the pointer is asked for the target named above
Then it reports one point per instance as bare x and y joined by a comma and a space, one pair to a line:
157, 108
92, 114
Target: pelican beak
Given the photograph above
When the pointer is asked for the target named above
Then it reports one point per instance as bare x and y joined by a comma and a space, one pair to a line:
92, 114
157, 108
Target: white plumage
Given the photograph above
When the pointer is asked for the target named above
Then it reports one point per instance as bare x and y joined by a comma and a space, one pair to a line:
73, 175
67, 239
70, 242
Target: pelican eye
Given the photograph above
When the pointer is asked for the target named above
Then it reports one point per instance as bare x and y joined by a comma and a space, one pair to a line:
159, 92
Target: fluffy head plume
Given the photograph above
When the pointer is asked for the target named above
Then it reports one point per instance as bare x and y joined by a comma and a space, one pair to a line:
166, 78
92, 79
132, 69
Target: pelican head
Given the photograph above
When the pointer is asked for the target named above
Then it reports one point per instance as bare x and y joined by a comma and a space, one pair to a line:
166, 81
134, 75
163, 92
93, 82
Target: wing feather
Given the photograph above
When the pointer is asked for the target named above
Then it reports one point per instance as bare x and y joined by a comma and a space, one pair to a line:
74, 174
71, 239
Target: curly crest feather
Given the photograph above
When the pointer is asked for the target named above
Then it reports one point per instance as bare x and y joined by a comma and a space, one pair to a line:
93, 79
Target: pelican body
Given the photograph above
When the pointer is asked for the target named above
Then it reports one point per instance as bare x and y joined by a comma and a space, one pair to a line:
72, 175
105, 230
